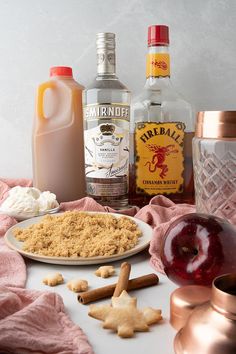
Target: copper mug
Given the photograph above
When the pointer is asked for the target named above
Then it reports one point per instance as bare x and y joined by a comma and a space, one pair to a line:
211, 327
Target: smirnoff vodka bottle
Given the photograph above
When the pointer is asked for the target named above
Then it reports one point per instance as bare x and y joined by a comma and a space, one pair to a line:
106, 107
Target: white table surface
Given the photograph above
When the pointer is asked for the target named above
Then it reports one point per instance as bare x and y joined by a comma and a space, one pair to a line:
159, 340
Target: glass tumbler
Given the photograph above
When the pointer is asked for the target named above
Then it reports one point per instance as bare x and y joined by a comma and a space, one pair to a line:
214, 163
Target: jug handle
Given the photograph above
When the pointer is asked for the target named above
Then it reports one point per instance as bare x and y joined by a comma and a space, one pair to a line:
42, 88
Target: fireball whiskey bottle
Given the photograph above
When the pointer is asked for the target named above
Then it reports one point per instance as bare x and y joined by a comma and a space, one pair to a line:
161, 132
106, 130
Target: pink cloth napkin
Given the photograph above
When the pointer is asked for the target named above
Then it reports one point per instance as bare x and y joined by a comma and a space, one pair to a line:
35, 322
89, 204
31, 322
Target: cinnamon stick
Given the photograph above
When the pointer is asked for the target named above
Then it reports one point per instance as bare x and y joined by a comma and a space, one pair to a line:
123, 279
107, 291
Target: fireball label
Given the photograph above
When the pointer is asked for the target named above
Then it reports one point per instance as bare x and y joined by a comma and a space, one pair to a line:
158, 64
159, 157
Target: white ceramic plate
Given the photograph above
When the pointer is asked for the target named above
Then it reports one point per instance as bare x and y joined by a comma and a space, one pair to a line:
26, 216
144, 240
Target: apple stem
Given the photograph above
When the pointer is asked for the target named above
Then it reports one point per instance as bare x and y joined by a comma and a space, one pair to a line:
188, 250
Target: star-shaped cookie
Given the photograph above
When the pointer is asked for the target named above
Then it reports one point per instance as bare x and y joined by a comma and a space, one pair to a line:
105, 271
123, 315
53, 279
77, 285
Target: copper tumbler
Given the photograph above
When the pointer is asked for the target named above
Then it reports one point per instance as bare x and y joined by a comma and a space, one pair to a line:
211, 328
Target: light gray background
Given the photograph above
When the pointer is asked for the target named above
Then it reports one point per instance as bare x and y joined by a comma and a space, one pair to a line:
37, 34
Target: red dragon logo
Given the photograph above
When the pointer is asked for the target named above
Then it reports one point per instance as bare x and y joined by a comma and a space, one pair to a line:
159, 64
158, 158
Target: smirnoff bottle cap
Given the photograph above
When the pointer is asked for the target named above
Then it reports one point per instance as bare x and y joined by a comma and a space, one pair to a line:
106, 40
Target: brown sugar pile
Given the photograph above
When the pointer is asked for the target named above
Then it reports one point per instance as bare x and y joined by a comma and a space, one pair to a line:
79, 234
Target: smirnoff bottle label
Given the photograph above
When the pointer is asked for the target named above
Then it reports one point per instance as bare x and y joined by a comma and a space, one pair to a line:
106, 141
102, 111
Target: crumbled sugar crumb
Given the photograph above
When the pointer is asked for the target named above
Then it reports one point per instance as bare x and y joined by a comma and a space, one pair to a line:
79, 234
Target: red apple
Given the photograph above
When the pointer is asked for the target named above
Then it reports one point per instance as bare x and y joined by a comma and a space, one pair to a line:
197, 248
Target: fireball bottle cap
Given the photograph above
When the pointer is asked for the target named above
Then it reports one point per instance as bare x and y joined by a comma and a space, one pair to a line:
158, 35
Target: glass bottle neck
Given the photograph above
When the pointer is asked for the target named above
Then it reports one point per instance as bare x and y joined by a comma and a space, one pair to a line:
158, 63
106, 62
